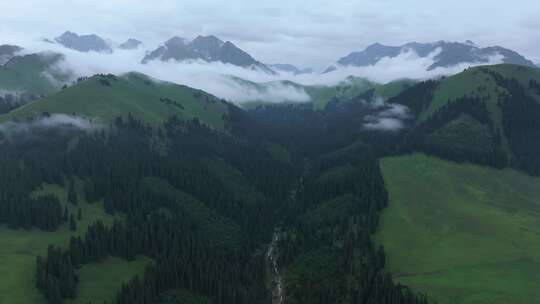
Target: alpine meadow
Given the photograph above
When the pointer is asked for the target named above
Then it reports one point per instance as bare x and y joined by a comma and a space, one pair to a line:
202, 152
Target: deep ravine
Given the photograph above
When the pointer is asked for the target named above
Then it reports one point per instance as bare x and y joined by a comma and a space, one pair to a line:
272, 253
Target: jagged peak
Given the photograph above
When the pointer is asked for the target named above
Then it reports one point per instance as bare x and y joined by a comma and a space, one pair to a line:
211, 38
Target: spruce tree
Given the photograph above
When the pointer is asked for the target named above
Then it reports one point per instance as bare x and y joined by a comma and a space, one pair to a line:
65, 216
72, 194
72, 223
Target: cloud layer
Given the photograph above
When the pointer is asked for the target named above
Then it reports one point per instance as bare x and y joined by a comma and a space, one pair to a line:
48, 122
294, 31
390, 117
216, 79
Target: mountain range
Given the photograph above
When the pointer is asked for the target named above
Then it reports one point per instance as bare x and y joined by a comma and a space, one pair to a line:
205, 48
212, 49
130, 44
35, 75
445, 54
84, 43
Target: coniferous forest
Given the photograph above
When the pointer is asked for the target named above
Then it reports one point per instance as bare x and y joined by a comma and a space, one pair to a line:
205, 232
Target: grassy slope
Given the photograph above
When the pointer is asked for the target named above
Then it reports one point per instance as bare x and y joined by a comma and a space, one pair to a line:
352, 87
393, 88
132, 93
27, 74
19, 248
346, 89
100, 282
462, 233
468, 83
321, 95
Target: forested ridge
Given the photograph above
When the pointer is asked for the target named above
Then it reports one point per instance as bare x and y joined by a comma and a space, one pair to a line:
203, 204
493, 120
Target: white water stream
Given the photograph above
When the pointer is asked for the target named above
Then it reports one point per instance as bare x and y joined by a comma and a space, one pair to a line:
272, 256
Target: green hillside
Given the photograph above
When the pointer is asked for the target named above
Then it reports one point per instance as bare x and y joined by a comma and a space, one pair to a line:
480, 82
33, 74
462, 233
105, 97
321, 95
488, 115
352, 86
100, 281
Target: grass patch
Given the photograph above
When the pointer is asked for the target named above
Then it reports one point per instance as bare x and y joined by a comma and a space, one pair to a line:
100, 282
19, 248
393, 88
462, 233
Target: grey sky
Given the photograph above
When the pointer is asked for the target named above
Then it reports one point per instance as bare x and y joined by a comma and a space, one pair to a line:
306, 33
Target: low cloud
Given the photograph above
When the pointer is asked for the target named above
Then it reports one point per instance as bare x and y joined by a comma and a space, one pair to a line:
274, 92
215, 77
385, 124
12, 93
47, 122
388, 117
56, 120
42, 136
407, 65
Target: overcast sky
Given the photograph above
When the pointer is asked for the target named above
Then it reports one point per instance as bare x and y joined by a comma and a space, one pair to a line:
306, 33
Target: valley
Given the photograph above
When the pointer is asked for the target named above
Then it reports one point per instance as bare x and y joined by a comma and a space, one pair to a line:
209, 179
268, 154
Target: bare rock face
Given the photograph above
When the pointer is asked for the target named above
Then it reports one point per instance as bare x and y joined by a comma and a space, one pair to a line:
447, 54
84, 43
130, 44
205, 48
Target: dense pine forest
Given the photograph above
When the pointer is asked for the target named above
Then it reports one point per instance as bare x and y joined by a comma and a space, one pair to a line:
203, 204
